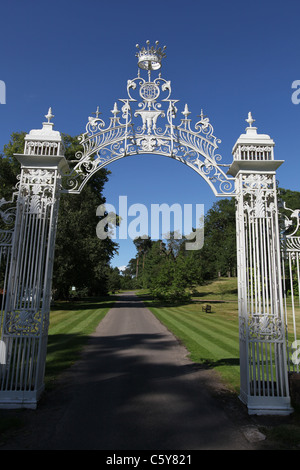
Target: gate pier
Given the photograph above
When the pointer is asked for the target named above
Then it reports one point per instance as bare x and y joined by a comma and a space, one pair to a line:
263, 363
28, 295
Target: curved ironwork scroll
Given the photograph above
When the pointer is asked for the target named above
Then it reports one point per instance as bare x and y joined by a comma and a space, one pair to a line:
146, 123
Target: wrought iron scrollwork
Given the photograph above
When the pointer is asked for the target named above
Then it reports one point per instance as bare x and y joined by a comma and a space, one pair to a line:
146, 123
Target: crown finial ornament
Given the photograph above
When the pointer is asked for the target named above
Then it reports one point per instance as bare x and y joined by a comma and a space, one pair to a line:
149, 58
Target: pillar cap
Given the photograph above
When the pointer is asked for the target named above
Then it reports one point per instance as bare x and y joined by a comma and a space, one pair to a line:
262, 166
251, 137
46, 133
44, 162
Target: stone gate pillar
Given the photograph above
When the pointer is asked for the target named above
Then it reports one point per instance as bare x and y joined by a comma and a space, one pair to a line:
263, 365
28, 296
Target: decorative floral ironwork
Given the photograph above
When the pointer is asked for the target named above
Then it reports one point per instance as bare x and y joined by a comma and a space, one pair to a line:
259, 195
23, 322
148, 125
8, 215
265, 328
290, 221
37, 188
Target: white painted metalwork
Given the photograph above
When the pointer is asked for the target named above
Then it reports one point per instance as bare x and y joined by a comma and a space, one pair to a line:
8, 216
146, 123
27, 298
263, 364
290, 249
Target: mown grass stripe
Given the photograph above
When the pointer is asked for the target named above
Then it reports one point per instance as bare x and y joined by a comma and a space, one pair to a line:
229, 324
71, 318
74, 319
215, 315
232, 330
205, 342
202, 352
209, 338
67, 337
228, 343
88, 322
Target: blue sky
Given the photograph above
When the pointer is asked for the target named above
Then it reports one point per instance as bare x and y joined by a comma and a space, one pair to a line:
225, 57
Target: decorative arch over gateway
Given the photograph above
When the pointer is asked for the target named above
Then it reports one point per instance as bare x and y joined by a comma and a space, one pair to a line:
146, 123
136, 128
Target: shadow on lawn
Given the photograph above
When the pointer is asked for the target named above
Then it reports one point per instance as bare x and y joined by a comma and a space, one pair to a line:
211, 364
62, 351
84, 303
150, 301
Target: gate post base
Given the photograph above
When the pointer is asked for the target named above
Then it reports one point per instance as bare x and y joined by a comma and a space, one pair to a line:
280, 406
20, 399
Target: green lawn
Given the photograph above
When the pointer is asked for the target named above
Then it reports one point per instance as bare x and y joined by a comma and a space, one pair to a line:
70, 325
211, 338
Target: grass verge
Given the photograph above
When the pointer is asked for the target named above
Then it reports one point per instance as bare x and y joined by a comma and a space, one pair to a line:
71, 323
212, 339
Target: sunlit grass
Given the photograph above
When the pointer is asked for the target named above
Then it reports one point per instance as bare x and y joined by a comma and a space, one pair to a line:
212, 339
69, 329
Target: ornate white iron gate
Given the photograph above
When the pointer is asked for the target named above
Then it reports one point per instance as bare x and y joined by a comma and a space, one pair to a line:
137, 128
290, 250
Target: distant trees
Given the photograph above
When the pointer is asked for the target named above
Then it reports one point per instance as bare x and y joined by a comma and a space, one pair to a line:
291, 198
171, 272
113, 279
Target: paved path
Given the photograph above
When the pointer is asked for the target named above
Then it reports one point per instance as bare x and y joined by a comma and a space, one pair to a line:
133, 389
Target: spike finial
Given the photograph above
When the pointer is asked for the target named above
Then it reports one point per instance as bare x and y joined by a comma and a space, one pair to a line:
49, 116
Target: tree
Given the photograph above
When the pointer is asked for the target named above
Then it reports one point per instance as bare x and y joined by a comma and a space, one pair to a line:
179, 272
167, 270
10, 168
81, 259
127, 279
113, 280
218, 255
155, 258
143, 245
291, 198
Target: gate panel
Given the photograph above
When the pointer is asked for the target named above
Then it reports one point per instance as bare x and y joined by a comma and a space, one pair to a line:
7, 222
290, 256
